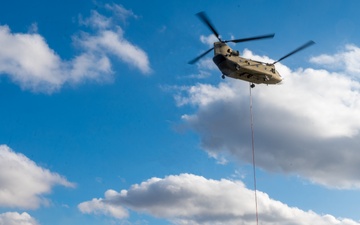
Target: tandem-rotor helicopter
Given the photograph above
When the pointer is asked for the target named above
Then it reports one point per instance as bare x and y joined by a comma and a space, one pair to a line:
231, 64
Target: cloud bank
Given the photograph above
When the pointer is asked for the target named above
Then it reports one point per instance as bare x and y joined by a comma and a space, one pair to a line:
308, 126
190, 199
14, 218
27, 59
23, 183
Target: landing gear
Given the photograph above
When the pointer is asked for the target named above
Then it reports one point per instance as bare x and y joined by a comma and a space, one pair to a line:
252, 85
223, 76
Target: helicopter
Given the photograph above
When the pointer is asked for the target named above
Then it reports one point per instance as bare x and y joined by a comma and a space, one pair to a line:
231, 64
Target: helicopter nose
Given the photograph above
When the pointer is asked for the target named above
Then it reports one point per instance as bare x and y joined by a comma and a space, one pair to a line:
218, 59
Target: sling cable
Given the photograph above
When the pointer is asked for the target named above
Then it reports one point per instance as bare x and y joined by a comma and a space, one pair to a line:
253, 155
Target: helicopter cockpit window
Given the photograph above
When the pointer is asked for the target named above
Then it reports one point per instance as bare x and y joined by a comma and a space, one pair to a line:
235, 53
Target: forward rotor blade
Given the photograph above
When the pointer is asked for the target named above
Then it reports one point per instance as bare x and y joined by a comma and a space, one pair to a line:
251, 38
308, 44
200, 56
203, 17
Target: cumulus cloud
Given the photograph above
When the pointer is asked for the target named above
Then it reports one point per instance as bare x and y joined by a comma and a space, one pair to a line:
347, 60
15, 218
100, 206
28, 60
192, 199
23, 183
308, 126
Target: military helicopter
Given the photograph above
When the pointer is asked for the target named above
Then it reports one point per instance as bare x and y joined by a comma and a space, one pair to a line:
231, 64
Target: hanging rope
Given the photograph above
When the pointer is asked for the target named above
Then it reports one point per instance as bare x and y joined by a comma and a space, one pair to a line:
253, 155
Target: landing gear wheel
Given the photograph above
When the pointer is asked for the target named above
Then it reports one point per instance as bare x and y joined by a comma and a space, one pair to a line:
223, 76
252, 85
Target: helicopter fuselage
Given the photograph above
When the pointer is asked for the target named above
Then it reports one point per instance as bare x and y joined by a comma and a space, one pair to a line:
231, 64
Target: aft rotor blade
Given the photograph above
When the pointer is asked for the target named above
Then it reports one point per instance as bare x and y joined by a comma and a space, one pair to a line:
308, 44
200, 56
251, 38
203, 17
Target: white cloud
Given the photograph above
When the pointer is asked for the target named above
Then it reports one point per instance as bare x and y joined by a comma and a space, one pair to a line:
23, 183
109, 38
89, 66
28, 60
100, 206
206, 64
109, 41
204, 94
96, 20
120, 12
308, 126
348, 60
209, 40
191, 199
15, 218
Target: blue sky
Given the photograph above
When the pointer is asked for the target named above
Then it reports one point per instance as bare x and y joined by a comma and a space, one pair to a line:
104, 122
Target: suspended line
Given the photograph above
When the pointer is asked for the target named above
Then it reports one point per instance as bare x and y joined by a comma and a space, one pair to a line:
253, 156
